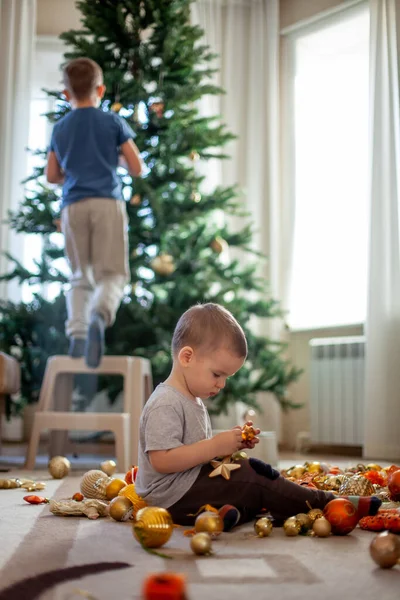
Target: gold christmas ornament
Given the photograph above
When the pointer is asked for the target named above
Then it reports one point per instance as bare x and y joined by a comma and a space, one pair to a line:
315, 513
296, 471
195, 196
10, 484
120, 509
109, 467
194, 155
94, 484
153, 526
314, 467
357, 485
305, 522
219, 245
135, 200
223, 468
163, 264
373, 467
114, 487
59, 467
116, 107
210, 523
201, 544
291, 527
129, 492
322, 527
385, 550
239, 455
263, 527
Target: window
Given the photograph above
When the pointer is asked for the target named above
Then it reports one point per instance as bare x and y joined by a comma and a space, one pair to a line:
46, 75
329, 103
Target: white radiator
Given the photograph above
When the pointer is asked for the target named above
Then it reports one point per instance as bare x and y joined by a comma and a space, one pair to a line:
337, 390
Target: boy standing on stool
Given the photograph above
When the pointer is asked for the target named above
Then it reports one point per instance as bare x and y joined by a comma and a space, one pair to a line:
84, 156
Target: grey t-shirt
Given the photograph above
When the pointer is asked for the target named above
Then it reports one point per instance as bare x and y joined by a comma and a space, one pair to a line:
169, 420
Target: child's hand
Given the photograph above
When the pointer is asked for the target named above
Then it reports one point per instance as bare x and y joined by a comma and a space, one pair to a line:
228, 442
250, 442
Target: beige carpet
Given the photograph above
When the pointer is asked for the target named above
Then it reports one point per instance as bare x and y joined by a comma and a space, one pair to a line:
33, 541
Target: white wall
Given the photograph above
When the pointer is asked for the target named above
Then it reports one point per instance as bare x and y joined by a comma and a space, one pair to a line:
56, 16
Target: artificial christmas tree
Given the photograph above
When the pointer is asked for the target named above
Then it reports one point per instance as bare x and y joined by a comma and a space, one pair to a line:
156, 71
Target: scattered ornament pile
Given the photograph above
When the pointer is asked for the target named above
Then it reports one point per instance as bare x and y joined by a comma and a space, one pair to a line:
102, 495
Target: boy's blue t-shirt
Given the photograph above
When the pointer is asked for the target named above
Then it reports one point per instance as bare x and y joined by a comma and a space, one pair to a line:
86, 142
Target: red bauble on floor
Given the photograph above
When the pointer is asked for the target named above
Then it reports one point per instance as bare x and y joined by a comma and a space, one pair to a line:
394, 486
342, 515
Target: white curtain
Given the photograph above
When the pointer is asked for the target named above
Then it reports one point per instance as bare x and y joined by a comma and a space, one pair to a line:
245, 34
17, 33
382, 408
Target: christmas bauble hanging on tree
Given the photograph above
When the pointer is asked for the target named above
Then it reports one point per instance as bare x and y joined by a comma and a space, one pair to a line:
219, 245
135, 200
195, 196
157, 107
163, 264
116, 107
194, 156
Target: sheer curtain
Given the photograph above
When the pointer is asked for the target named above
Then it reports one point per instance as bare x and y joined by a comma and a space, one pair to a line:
382, 402
245, 34
17, 33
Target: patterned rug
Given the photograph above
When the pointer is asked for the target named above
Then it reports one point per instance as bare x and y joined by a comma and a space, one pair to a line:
65, 558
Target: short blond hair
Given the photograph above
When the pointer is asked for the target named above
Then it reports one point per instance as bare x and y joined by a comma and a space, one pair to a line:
81, 77
209, 327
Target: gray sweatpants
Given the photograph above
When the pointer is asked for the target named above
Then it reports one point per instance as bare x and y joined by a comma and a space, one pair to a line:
96, 246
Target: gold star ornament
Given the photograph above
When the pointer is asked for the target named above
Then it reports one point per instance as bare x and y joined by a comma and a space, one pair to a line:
223, 467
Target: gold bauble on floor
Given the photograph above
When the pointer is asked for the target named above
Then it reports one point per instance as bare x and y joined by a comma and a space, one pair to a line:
129, 491
209, 522
153, 526
322, 527
385, 550
315, 513
120, 509
201, 543
114, 488
263, 527
109, 467
291, 527
305, 522
59, 467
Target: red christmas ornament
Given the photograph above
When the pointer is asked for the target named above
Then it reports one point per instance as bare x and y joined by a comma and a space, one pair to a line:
394, 486
36, 499
131, 475
164, 586
342, 515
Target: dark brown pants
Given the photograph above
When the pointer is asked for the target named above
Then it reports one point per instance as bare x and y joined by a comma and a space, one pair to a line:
250, 493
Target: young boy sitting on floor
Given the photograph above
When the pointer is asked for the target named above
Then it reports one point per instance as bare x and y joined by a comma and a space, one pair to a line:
176, 443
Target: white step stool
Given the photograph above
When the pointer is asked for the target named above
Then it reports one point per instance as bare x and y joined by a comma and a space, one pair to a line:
56, 392
266, 449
